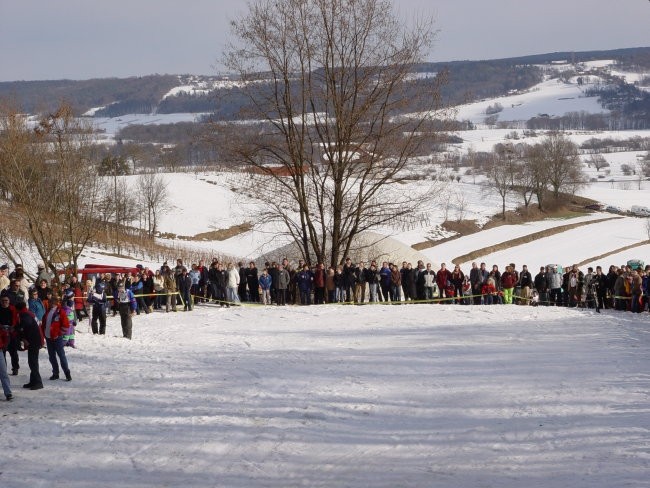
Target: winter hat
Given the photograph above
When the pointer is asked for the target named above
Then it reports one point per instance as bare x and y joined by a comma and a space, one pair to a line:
99, 286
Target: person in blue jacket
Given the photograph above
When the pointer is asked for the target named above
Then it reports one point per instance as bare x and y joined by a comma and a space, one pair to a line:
305, 281
265, 285
384, 281
35, 304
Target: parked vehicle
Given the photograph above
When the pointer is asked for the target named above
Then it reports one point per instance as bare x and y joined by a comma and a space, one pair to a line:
640, 211
594, 206
614, 209
636, 264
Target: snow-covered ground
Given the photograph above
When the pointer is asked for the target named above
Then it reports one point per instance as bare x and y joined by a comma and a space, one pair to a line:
551, 97
112, 125
408, 396
576, 245
451, 249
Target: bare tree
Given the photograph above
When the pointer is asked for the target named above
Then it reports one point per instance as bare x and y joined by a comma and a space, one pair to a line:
598, 161
154, 199
461, 206
78, 188
51, 187
563, 164
536, 172
501, 172
641, 170
332, 148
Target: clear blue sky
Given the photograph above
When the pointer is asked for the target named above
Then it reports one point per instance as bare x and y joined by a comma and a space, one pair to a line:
80, 39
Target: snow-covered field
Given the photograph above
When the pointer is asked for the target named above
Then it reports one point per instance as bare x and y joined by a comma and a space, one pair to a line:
210, 201
410, 396
344, 396
576, 245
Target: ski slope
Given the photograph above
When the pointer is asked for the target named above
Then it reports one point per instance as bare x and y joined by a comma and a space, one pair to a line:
321, 396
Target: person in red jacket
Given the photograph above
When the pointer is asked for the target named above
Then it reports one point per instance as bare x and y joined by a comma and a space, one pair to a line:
4, 377
54, 323
508, 282
9, 319
320, 279
443, 279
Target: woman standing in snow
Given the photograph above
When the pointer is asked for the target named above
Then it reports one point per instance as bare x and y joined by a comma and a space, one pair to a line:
54, 322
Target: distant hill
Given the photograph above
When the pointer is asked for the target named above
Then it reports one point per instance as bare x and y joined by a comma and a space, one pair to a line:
141, 94
113, 97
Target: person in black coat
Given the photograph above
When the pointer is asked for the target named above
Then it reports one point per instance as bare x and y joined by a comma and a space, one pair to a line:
349, 279
253, 283
99, 300
221, 282
599, 282
525, 283
275, 276
242, 288
30, 333
541, 285
185, 288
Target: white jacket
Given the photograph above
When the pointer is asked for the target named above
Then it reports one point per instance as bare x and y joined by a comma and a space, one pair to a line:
233, 278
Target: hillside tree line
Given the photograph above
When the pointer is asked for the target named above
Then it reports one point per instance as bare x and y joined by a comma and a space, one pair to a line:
53, 200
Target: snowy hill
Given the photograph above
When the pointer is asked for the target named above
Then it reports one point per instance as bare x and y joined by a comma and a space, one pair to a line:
203, 202
411, 396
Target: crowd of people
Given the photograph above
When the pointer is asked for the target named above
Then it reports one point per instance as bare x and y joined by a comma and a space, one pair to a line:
280, 283
46, 312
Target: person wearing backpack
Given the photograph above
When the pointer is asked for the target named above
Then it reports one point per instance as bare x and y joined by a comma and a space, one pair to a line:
30, 334
67, 307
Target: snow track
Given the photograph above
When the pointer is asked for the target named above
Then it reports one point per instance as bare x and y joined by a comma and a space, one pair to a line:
383, 396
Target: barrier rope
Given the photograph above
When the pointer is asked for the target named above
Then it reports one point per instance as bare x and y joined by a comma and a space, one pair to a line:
205, 301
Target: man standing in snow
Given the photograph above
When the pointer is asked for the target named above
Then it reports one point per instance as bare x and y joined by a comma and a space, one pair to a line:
30, 334
429, 279
525, 284
252, 281
554, 280
476, 278
127, 306
97, 297
283, 283
541, 285
305, 281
